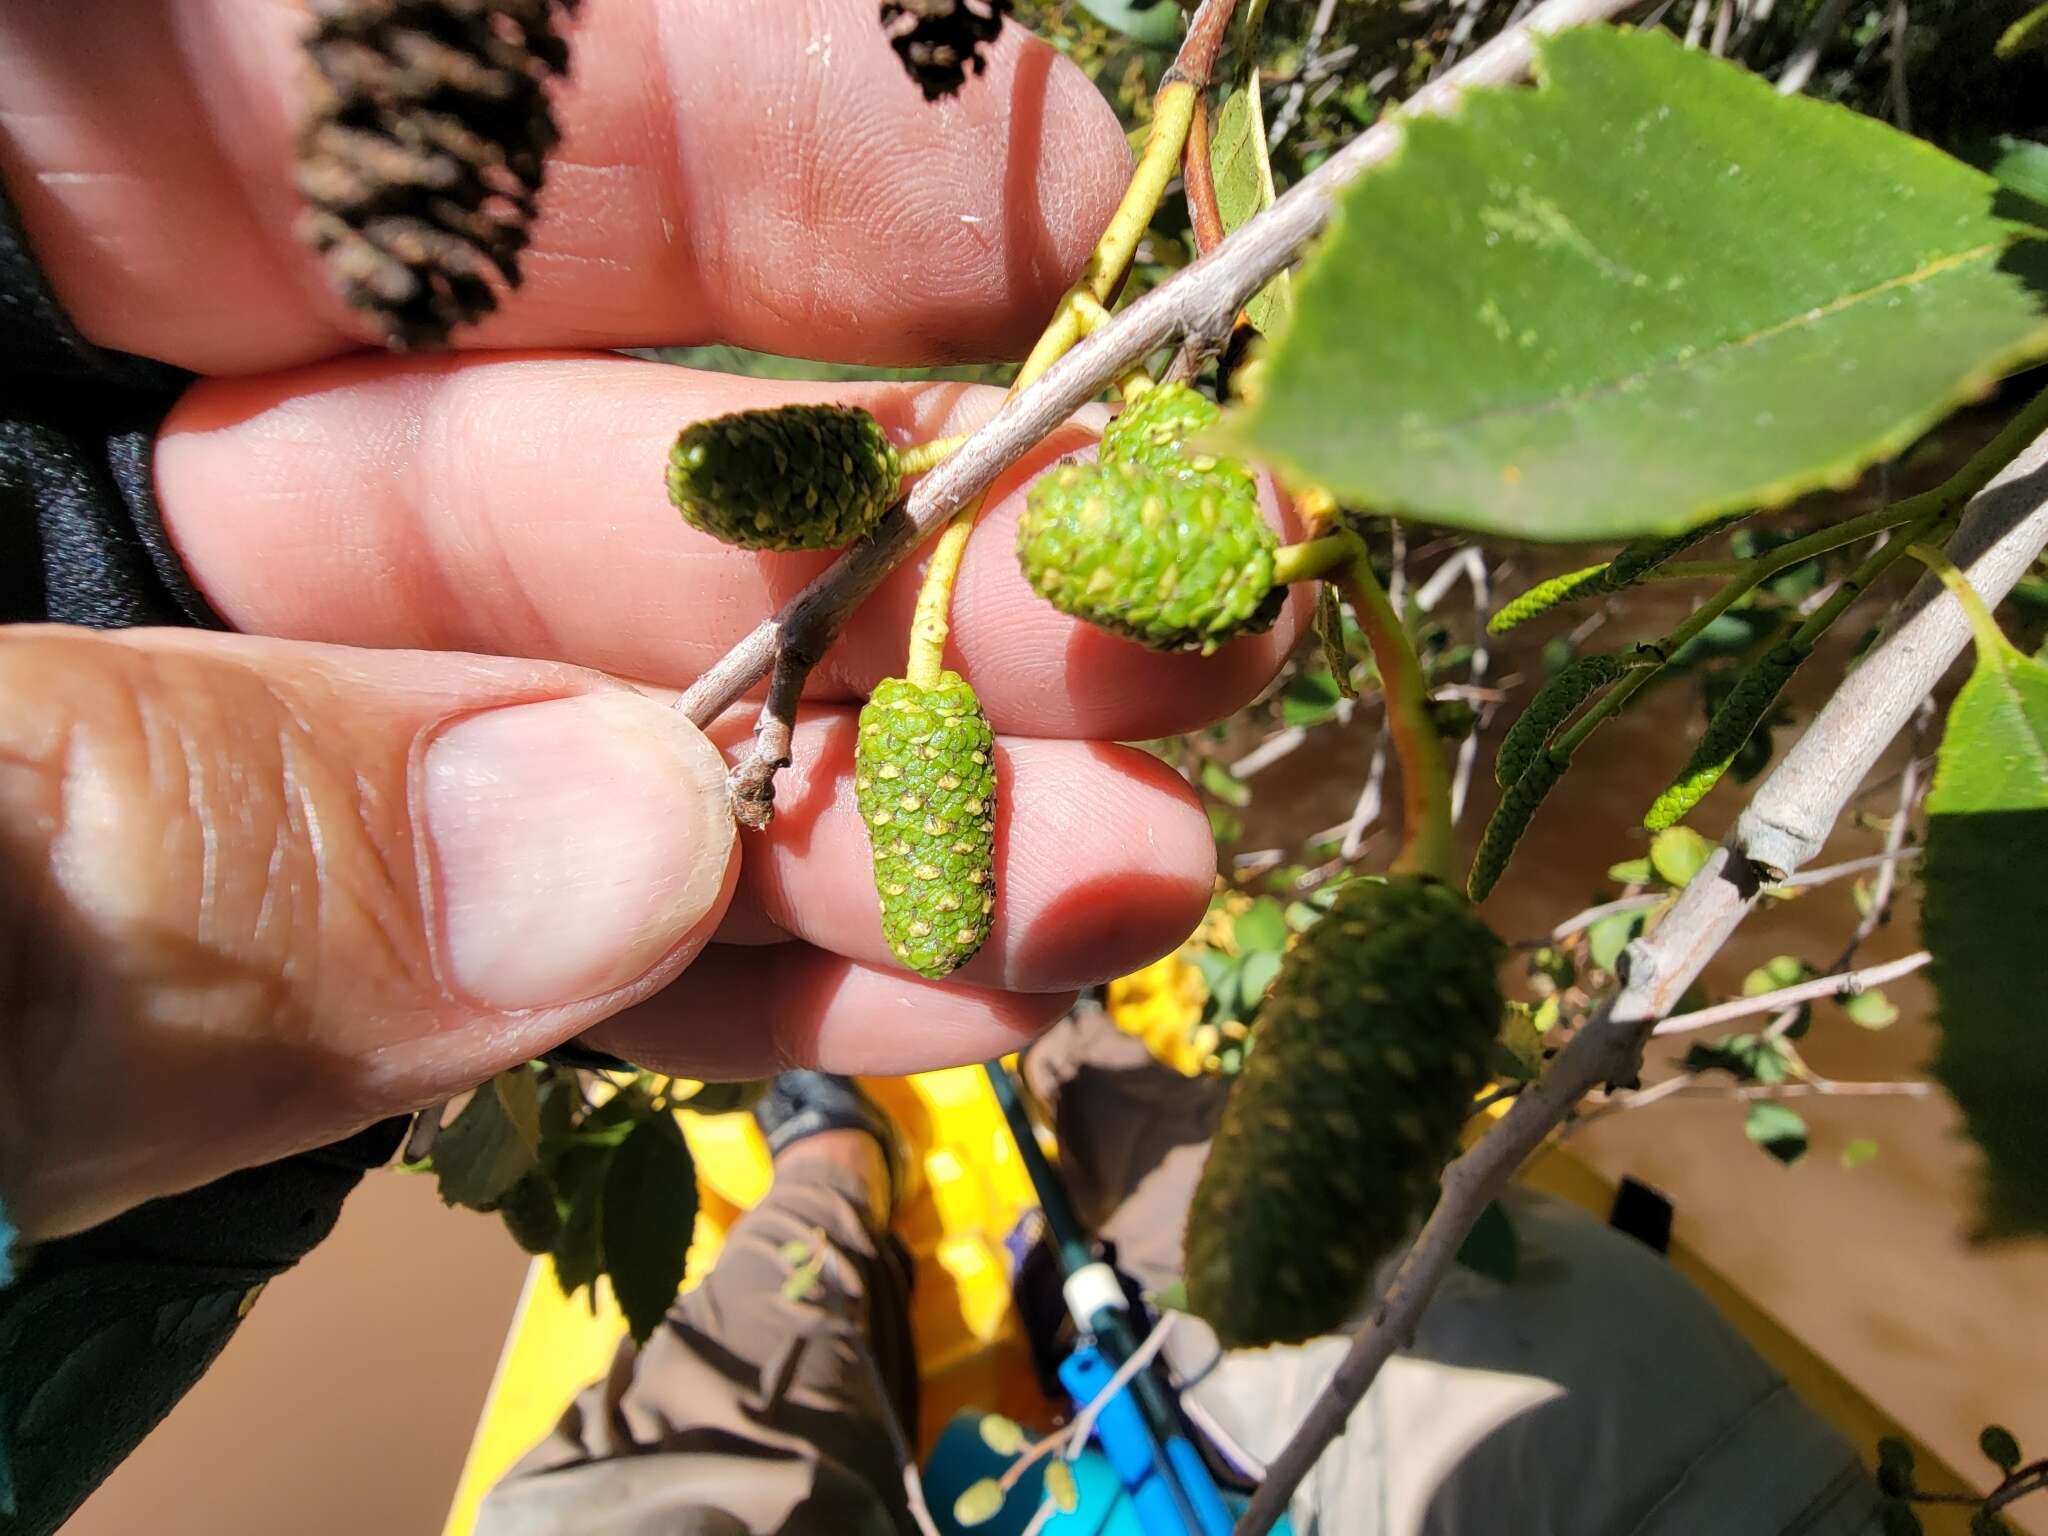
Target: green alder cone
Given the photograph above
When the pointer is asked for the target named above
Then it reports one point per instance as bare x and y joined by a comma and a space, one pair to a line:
791, 477
1152, 432
1364, 1063
925, 777
1175, 563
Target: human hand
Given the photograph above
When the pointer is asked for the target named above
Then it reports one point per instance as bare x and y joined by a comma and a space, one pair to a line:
260, 892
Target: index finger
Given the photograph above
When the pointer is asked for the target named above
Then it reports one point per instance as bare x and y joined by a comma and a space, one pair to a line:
759, 173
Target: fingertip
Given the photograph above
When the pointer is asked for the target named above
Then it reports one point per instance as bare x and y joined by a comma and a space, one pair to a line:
1106, 862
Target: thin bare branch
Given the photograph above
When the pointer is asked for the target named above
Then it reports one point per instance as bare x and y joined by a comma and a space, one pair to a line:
1846, 984
1690, 1086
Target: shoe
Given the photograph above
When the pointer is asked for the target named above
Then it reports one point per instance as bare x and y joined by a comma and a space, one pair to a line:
802, 1102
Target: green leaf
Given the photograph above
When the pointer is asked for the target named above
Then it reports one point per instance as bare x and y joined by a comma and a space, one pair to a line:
1606, 939
532, 1214
650, 1210
1986, 909
1776, 972
1260, 967
1679, 853
1222, 975
1310, 698
2027, 35
579, 1249
519, 1096
1858, 1152
1650, 291
1244, 187
1778, 1130
1491, 1247
1746, 1058
2022, 166
1997, 1443
1632, 872
480, 1155
1225, 786
1870, 1009
1262, 925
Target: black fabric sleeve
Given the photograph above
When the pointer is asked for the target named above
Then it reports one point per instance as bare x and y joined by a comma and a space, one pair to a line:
81, 541
102, 1333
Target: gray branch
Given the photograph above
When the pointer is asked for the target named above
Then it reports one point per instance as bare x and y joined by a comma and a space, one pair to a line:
2001, 534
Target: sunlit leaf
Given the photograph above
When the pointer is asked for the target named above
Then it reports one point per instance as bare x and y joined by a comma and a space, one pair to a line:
1986, 909
1778, 1130
1646, 292
1679, 853
480, 1155
1870, 1009
1244, 186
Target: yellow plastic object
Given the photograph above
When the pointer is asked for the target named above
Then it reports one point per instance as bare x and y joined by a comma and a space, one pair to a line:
971, 1348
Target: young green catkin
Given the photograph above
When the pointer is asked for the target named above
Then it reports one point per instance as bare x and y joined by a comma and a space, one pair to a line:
1546, 595
1365, 1059
925, 781
1732, 725
1573, 683
1510, 820
1635, 562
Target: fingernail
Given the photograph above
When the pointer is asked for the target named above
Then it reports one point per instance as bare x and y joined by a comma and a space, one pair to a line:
575, 843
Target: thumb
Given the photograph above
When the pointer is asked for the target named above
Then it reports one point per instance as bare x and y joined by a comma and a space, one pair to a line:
255, 895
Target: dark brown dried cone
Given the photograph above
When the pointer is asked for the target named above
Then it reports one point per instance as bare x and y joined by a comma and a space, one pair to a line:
422, 151
943, 40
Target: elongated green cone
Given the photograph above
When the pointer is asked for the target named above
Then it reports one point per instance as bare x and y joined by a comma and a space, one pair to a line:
1363, 1065
925, 778
1175, 563
791, 477
1153, 432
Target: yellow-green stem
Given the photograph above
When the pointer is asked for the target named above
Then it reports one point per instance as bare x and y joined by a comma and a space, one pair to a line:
1427, 847
1313, 557
1991, 639
1079, 311
919, 457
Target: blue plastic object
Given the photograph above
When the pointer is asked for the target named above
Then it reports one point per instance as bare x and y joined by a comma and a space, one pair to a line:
1120, 1432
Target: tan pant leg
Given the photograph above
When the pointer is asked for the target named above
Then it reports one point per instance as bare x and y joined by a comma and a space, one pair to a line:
1133, 1136
748, 1411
